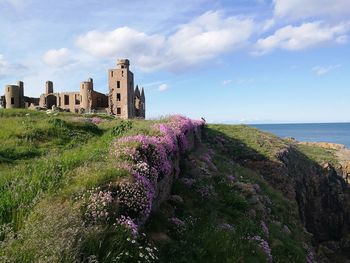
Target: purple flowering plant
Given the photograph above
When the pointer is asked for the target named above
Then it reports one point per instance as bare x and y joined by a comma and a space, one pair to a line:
147, 159
264, 246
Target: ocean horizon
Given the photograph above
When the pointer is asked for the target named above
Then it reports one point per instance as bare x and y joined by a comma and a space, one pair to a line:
310, 132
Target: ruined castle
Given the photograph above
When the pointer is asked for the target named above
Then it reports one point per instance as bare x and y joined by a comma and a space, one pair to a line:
123, 100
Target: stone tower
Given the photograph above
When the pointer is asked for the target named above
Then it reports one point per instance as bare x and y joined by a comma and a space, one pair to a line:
121, 90
48, 87
14, 96
86, 89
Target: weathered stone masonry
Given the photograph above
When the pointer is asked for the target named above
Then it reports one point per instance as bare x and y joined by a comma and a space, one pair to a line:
123, 100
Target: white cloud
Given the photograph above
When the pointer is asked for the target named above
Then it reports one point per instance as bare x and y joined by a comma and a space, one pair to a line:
3, 66
203, 38
304, 36
296, 9
320, 70
226, 82
58, 57
17, 4
208, 36
7, 68
344, 39
163, 87
245, 81
123, 40
268, 24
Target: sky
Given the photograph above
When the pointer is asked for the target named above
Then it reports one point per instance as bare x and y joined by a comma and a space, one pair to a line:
242, 61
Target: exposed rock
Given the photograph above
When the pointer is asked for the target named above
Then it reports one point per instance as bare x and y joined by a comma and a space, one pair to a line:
286, 230
322, 196
162, 238
325, 145
176, 199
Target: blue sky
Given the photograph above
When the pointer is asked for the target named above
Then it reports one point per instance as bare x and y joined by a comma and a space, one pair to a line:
244, 61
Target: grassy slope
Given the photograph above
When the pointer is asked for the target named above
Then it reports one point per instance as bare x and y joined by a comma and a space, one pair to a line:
39, 175
42, 154
243, 204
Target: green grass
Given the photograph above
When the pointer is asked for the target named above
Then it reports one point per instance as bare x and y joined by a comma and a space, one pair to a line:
319, 154
246, 140
203, 241
42, 155
47, 161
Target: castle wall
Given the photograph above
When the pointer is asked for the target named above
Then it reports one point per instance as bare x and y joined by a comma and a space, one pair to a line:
99, 100
2, 102
121, 100
69, 101
28, 101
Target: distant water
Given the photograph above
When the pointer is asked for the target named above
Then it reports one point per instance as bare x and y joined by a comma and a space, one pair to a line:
313, 132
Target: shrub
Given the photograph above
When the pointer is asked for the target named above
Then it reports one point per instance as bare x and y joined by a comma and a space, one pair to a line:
121, 128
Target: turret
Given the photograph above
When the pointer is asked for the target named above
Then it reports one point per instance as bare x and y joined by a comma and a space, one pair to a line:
20, 85
137, 91
13, 96
143, 98
49, 87
143, 103
123, 64
86, 87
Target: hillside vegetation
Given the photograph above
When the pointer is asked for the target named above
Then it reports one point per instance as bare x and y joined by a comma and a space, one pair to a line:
86, 188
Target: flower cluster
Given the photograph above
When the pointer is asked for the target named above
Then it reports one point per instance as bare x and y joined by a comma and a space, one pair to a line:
226, 226
138, 253
231, 178
189, 182
206, 191
206, 158
135, 198
264, 245
175, 132
149, 159
265, 228
177, 224
97, 206
146, 151
310, 258
128, 223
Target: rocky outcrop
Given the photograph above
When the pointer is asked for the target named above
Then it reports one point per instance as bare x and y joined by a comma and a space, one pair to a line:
342, 154
323, 200
325, 145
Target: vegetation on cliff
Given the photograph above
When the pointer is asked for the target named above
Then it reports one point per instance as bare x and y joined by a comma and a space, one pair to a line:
95, 189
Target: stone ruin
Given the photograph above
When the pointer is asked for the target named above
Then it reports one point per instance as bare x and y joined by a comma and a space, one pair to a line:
123, 100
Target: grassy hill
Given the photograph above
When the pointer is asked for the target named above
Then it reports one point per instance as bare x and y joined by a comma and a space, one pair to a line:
230, 203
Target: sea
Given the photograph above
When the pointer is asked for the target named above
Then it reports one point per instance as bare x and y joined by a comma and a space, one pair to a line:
311, 132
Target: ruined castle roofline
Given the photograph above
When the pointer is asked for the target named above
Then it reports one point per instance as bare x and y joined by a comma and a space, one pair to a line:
123, 61
12, 86
63, 93
31, 98
119, 101
137, 91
